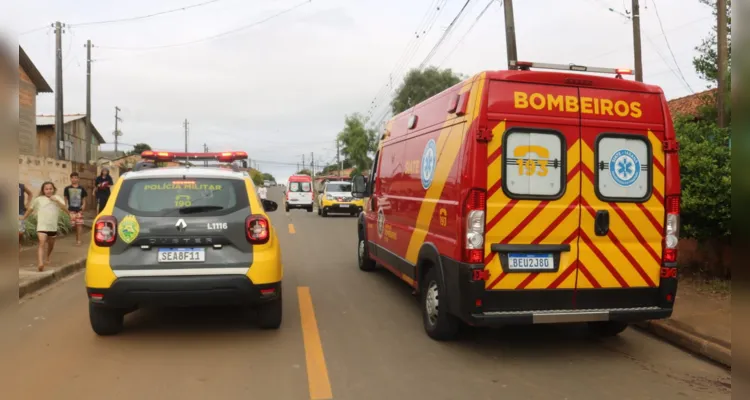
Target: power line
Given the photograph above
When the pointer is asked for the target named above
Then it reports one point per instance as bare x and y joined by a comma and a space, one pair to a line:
213, 36
111, 21
656, 9
481, 14
447, 32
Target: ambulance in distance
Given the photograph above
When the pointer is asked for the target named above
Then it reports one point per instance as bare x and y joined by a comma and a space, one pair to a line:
529, 197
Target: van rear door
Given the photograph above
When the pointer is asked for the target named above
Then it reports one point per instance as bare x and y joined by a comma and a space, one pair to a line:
300, 192
533, 196
622, 198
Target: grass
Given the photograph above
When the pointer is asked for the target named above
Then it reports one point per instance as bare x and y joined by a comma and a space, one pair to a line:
711, 286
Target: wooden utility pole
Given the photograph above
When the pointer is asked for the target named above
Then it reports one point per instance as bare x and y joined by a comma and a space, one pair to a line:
637, 41
117, 129
186, 124
59, 121
88, 100
510, 34
205, 150
312, 165
722, 53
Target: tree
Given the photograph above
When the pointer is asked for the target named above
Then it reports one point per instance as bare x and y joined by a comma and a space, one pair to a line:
268, 177
257, 177
357, 141
139, 148
420, 85
706, 62
304, 172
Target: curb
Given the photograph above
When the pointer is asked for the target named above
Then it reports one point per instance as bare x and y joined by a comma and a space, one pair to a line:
58, 274
689, 341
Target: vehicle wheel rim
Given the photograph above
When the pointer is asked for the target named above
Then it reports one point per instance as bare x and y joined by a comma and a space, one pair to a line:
431, 302
361, 252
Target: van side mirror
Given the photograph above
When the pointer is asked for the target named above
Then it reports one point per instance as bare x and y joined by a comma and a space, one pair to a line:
359, 187
269, 205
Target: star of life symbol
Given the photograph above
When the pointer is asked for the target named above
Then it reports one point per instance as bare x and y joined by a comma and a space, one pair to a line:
624, 167
381, 222
429, 160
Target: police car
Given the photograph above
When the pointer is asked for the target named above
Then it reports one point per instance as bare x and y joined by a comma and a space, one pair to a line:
183, 236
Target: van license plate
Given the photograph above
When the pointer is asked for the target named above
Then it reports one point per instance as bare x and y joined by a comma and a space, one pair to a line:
182, 255
524, 261
344, 205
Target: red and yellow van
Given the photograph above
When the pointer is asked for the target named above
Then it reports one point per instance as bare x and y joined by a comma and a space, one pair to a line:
528, 196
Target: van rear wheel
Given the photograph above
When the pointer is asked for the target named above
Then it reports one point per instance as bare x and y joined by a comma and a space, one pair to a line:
438, 323
363, 256
607, 328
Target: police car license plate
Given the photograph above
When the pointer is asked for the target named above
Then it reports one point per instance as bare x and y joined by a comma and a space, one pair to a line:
526, 261
182, 255
344, 205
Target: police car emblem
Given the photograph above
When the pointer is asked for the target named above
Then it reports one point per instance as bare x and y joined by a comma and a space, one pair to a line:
129, 229
429, 161
381, 223
625, 167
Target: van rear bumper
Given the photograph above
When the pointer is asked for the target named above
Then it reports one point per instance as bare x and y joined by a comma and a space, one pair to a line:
469, 300
179, 291
501, 318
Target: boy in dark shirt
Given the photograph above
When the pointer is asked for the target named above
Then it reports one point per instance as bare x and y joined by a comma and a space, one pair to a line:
74, 198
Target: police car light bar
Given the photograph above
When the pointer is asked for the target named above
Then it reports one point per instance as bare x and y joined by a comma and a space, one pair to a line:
525, 65
227, 156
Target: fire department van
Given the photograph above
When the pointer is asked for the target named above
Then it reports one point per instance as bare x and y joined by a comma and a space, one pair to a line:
299, 193
529, 197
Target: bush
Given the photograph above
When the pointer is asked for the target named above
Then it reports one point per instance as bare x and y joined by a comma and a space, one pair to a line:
706, 180
64, 226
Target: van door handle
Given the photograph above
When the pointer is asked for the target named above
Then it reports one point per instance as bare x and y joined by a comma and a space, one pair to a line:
601, 223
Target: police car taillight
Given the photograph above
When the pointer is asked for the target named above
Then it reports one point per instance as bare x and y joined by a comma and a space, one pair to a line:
105, 231
474, 218
672, 229
257, 229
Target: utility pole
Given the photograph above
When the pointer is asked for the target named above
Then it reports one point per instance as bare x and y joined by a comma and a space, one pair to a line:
303, 161
59, 131
510, 34
637, 41
338, 159
117, 130
88, 100
186, 124
205, 150
723, 60
312, 165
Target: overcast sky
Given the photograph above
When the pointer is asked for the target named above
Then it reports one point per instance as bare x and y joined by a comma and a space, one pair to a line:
282, 88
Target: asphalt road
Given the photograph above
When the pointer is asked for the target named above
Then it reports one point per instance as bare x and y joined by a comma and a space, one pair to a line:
346, 334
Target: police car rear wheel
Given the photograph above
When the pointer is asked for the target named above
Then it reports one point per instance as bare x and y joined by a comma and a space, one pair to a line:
105, 321
607, 328
270, 314
438, 323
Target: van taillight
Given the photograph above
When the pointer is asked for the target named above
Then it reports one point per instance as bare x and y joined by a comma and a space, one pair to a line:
474, 214
257, 229
105, 231
672, 229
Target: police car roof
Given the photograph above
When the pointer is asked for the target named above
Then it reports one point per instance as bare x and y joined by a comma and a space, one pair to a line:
179, 172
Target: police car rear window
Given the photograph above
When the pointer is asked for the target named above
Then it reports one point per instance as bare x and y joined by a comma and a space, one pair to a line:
299, 186
170, 196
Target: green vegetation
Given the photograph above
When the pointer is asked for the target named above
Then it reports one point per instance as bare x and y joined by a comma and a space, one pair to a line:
64, 226
420, 85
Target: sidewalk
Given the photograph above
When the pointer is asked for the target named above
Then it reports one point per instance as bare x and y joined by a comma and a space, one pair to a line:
67, 258
701, 321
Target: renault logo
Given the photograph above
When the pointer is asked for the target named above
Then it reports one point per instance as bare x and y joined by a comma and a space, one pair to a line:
181, 225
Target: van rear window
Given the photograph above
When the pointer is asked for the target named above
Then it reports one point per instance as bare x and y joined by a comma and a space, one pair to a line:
299, 186
169, 196
623, 167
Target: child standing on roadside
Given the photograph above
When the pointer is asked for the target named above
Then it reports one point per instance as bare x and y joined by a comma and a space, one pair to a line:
47, 207
75, 196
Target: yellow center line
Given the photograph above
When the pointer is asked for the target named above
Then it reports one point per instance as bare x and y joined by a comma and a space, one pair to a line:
317, 372
291, 228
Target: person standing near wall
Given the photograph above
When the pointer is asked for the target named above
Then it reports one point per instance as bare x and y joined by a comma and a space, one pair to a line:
47, 207
102, 187
24, 199
75, 196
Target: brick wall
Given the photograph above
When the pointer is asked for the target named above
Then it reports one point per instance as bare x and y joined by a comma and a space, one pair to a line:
33, 171
26, 114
